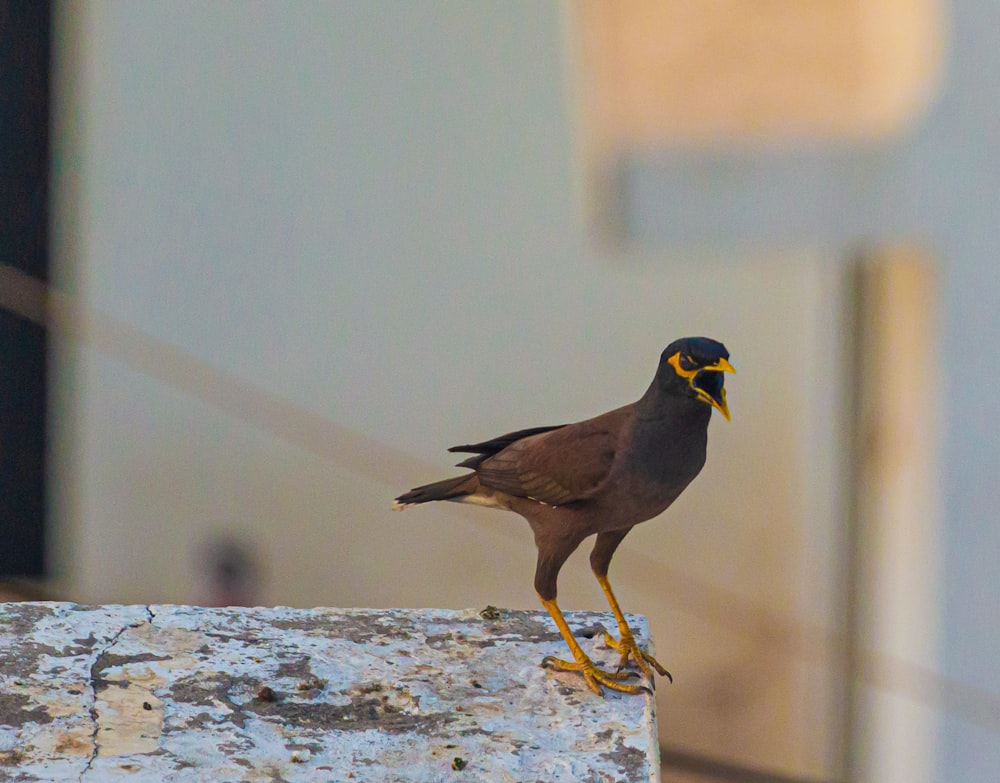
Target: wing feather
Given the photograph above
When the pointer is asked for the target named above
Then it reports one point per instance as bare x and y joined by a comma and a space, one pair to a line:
557, 466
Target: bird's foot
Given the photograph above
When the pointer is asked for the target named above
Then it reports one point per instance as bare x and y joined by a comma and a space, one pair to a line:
596, 678
628, 647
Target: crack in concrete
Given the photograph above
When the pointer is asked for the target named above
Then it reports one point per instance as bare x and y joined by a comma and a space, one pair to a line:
157, 696
95, 682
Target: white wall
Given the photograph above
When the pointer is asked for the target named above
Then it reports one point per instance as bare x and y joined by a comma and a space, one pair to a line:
370, 212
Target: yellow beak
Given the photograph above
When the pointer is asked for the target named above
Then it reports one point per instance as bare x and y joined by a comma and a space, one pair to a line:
722, 365
720, 404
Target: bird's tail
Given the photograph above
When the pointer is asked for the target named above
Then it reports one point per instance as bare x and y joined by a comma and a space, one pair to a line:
449, 489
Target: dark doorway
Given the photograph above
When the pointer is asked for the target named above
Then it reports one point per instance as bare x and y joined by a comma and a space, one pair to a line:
25, 45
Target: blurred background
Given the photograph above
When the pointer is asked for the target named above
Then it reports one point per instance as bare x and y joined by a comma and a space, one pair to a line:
263, 263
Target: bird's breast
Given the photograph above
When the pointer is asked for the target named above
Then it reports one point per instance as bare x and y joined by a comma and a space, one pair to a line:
668, 452
661, 463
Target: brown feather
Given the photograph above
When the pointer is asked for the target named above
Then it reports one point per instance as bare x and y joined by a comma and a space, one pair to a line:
558, 466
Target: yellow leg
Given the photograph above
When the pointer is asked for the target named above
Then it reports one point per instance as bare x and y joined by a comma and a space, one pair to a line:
627, 645
596, 678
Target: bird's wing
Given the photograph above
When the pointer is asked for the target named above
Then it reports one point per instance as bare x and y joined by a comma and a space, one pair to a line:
559, 466
490, 447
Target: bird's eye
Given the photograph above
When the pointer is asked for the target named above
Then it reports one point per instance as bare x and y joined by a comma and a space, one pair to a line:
687, 363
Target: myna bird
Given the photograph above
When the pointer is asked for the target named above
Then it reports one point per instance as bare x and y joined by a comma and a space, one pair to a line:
600, 476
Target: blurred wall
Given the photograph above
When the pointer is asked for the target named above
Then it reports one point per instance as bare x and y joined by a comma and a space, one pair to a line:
363, 223
937, 183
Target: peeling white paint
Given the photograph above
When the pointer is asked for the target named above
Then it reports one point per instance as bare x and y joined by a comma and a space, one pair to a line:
191, 694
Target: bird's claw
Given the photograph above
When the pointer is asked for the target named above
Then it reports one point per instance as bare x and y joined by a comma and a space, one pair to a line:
628, 647
597, 678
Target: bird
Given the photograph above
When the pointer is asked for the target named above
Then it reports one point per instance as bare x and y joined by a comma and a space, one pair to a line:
598, 477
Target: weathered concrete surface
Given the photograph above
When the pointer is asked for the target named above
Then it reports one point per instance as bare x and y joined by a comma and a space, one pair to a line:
191, 694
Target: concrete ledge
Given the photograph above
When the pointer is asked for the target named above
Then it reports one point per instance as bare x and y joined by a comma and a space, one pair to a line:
192, 694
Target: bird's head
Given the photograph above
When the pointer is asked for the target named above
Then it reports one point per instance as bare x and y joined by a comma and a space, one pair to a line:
694, 366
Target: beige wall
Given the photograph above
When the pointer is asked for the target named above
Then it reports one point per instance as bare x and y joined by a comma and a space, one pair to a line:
731, 72
318, 245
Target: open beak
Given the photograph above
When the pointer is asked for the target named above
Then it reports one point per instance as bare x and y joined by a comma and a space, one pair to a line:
715, 394
717, 400
722, 365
